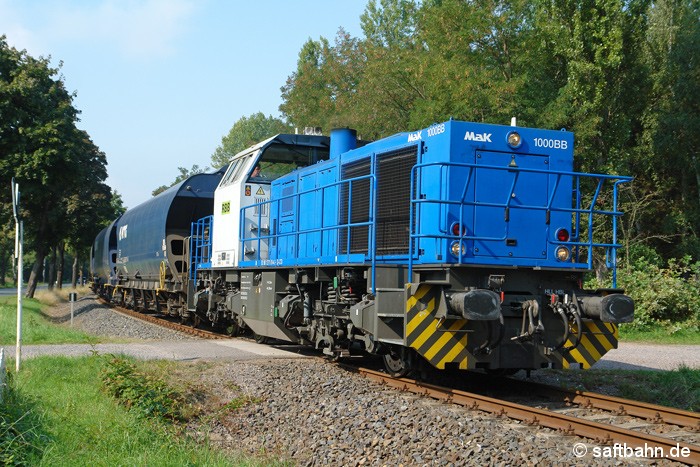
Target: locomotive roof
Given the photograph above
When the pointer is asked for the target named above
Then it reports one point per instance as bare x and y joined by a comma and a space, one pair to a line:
287, 138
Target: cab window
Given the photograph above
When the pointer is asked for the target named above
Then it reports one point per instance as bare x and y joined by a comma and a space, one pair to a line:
228, 176
235, 170
281, 159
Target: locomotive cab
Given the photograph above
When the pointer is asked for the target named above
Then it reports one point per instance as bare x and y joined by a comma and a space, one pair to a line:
241, 201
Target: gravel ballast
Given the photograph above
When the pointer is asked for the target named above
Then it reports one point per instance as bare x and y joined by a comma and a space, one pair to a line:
315, 413
97, 319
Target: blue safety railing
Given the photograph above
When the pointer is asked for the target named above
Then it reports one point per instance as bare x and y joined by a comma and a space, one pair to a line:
342, 224
572, 181
575, 242
200, 244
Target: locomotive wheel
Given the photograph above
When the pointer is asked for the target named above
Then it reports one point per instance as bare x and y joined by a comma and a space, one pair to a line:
194, 320
232, 329
397, 364
260, 339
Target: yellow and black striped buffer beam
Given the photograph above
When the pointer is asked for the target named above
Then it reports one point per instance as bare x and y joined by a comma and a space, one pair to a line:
597, 338
438, 340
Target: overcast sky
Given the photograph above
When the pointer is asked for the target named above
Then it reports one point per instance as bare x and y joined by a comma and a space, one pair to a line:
159, 82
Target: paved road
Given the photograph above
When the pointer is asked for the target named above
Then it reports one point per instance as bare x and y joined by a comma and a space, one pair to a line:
7, 291
4, 292
231, 349
636, 356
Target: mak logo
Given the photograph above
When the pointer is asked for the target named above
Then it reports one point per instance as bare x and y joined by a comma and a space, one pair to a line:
482, 137
414, 136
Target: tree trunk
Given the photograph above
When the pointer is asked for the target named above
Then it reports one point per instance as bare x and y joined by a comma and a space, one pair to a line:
74, 277
3, 265
51, 275
36, 272
697, 172
59, 266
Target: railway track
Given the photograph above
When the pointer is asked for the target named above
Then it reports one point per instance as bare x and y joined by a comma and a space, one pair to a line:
161, 321
600, 433
651, 412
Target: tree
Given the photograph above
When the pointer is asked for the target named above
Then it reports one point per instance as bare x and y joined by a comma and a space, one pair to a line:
623, 75
7, 244
116, 206
246, 132
184, 174
91, 206
42, 148
392, 72
478, 60
604, 87
672, 122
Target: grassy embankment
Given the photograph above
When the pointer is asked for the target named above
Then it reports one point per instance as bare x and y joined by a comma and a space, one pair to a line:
660, 335
89, 410
36, 327
677, 388
64, 411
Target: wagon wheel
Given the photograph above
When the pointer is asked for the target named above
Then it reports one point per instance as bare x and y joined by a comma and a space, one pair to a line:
397, 363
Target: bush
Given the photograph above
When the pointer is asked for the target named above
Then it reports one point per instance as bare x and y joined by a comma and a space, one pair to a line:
663, 295
147, 395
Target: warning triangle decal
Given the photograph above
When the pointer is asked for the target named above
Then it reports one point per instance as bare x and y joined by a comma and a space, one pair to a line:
260, 192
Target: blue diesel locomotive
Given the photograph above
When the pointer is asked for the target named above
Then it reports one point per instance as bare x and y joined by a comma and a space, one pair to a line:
459, 246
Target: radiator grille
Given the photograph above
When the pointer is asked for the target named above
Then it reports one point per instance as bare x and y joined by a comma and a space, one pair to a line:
359, 236
393, 203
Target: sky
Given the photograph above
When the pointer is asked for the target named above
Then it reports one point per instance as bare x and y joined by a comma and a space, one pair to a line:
160, 82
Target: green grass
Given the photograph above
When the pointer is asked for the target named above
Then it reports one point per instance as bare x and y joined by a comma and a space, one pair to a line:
678, 388
36, 328
661, 335
69, 420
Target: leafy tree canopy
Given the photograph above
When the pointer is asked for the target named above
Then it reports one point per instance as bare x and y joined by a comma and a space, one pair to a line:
59, 169
244, 133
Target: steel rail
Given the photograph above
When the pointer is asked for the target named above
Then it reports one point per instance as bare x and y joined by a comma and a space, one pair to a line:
652, 412
599, 432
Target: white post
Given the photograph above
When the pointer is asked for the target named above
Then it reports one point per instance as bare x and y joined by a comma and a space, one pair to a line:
19, 240
72, 297
20, 272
